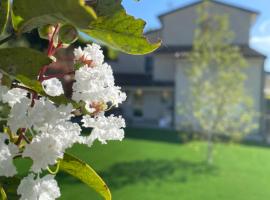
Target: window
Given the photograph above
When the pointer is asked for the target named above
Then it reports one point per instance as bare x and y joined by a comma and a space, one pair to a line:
149, 64
166, 97
138, 103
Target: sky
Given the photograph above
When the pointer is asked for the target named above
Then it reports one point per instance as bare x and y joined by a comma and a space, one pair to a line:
259, 35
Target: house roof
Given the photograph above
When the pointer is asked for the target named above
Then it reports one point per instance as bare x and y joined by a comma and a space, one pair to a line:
182, 51
217, 2
145, 80
197, 3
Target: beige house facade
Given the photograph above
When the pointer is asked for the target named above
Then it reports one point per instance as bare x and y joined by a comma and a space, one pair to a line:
156, 83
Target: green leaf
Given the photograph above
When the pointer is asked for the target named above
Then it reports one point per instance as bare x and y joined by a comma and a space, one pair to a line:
3, 194
31, 84
118, 30
23, 64
43, 12
4, 14
112, 27
22, 61
86, 174
37, 87
9, 186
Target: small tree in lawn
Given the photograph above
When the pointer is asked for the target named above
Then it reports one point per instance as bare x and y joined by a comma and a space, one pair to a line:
219, 102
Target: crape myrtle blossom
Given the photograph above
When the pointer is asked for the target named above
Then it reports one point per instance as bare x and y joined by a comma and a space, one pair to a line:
104, 128
53, 87
14, 96
96, 83
91, 55
7, 152
51, 144
45, 188
42, 114
18, 115
3, 90
46, 129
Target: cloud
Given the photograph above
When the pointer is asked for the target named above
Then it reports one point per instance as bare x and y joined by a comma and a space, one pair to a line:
260, 39
264, 27
262, 43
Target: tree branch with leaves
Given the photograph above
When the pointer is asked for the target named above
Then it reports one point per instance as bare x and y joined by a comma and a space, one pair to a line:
38, 122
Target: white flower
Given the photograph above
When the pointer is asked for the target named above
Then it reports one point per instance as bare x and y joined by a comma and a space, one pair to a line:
114, 95
53, 87
18, 115
45, 113
44, 150
49, 146
66, 133
96, 85
14, 96
3, 90
7, 152
91, 55
104, 128
40, 116
44, 188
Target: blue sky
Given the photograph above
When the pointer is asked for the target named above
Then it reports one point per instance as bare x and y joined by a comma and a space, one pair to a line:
260, 33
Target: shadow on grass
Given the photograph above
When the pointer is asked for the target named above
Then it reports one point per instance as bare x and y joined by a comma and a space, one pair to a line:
147, 171
128, 173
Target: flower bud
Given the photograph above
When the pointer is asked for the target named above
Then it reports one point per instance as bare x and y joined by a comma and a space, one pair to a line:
46, 31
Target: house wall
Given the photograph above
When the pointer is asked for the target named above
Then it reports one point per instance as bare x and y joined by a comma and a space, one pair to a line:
128, 64
182, 114
164, 67
253, 86
152, 105
254, 82
178, 27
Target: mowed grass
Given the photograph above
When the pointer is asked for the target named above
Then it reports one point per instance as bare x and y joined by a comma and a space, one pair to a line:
148, 170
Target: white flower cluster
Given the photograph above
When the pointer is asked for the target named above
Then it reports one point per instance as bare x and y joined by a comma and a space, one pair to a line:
94, 81
47, 128
45, 188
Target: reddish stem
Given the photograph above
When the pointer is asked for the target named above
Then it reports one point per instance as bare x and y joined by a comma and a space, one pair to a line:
51, 47
40, 78
34, 96
42, 72
21, 137
59, 45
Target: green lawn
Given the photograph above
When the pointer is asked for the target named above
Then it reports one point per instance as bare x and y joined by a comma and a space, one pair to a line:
148, 170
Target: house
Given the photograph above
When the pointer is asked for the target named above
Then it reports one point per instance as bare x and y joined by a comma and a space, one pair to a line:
154, 82
266, 116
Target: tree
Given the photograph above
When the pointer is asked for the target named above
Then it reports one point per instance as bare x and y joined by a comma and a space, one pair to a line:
219, 102
34, 107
